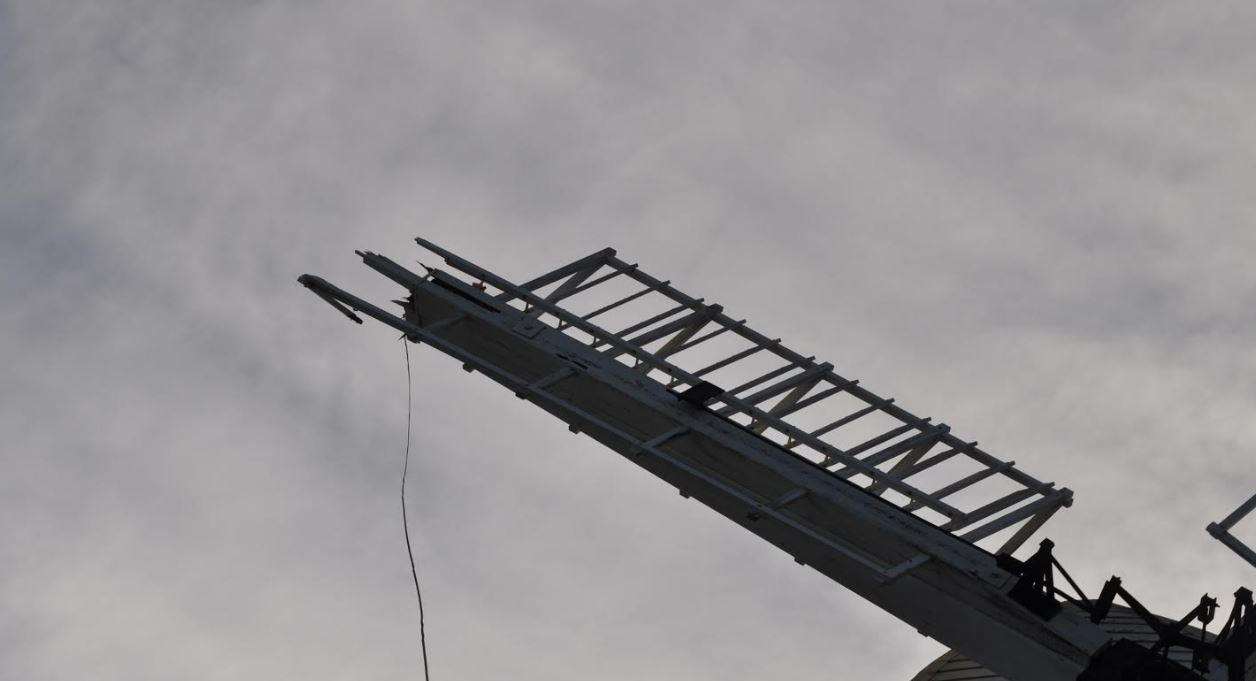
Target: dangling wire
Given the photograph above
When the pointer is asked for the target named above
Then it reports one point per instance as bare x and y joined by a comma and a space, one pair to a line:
405, 522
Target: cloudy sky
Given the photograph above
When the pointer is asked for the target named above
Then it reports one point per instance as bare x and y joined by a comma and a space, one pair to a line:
1033, 222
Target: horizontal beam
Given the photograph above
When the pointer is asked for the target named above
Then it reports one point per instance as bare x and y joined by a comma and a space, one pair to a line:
736, 357
849, 418
610, 306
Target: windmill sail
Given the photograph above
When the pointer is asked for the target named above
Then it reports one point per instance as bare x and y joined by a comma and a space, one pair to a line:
896, 507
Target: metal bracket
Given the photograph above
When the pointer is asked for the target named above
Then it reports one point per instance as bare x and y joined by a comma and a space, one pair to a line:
1035, 589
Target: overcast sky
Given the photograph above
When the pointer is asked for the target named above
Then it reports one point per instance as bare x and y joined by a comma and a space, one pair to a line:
1034, 222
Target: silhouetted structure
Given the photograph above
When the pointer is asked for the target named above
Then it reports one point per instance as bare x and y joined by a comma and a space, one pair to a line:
893, 506
1221, 530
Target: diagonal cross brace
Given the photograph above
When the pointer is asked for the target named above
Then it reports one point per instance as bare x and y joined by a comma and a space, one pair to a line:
684, 328
786, 403
695, 324
581, 268
915, 448
808, 378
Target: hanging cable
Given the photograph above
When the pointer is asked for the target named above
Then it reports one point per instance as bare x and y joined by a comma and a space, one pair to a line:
405, 522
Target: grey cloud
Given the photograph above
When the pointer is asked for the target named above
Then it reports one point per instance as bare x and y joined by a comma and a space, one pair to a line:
1033, 224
